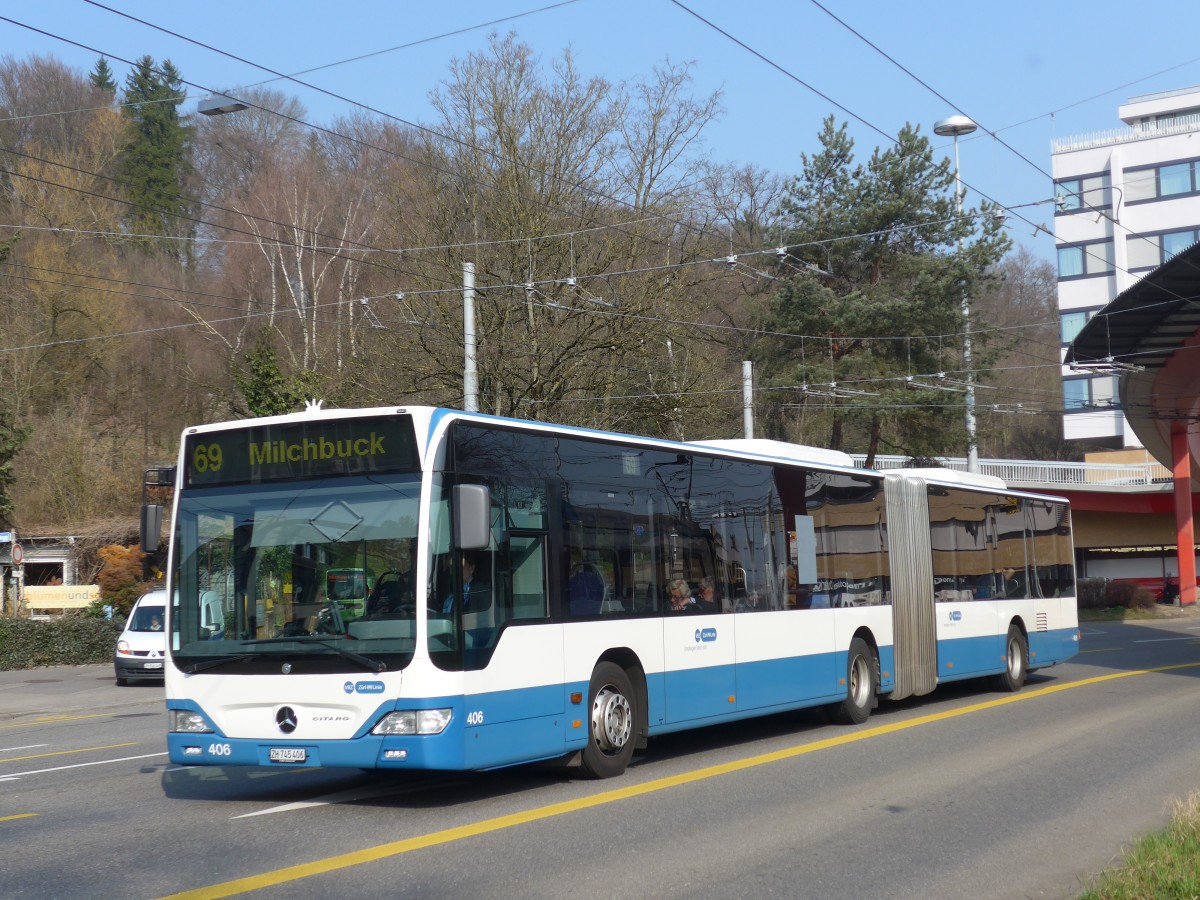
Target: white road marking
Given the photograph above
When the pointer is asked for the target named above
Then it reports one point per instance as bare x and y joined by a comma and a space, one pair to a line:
100, 762
348, 796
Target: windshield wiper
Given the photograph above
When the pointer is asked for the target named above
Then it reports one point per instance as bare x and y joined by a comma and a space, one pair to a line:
220, 661
375, 665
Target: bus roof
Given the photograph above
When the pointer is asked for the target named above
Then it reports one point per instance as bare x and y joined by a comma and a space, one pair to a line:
783, 450
955, 477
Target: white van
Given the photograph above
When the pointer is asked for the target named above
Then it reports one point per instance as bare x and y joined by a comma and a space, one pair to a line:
143, 644
212, 616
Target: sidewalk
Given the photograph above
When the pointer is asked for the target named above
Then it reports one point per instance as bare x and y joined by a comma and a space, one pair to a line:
62, 690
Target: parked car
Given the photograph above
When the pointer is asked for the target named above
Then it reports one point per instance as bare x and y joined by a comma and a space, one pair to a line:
142, 645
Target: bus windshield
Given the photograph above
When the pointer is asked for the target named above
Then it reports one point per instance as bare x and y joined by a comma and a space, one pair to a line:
322, 577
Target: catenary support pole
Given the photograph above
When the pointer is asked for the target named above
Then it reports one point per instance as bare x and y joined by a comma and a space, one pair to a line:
470, 373
748, 398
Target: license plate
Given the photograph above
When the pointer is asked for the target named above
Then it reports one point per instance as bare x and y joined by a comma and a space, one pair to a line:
153, 665
288, 754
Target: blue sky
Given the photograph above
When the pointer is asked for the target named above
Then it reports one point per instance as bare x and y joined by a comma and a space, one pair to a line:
1029, 71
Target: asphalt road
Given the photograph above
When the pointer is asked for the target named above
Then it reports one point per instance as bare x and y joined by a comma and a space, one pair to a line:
964, 793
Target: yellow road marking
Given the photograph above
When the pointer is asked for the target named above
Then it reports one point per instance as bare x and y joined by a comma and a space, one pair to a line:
66, 752
18, 816
449, 835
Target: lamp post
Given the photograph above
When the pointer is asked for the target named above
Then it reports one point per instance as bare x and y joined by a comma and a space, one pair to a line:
953, 126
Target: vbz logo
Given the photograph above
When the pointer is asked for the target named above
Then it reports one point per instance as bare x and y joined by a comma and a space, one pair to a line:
955, 615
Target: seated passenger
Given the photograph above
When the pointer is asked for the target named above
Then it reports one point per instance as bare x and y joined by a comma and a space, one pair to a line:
984, 587
679, 596
586, 590
706, 595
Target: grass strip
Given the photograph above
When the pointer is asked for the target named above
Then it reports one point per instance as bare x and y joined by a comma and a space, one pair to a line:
1163, 864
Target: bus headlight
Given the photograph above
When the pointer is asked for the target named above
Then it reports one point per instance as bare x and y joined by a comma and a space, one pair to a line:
414, 721
184, 721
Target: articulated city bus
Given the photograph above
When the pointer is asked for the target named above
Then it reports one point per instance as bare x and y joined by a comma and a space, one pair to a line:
540, 592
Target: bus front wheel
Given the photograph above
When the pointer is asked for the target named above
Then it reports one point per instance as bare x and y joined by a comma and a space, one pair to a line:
860, 685
612, 722
1016, 662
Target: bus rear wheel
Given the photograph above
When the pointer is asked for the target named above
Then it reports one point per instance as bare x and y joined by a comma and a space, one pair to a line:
1016, 662
612, 722
860, 685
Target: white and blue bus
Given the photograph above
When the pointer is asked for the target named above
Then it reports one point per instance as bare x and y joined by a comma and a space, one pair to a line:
540, 592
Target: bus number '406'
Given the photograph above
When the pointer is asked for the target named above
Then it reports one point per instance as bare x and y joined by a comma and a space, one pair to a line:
220, 750
475, 717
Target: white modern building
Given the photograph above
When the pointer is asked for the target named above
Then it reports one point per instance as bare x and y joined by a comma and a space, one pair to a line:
1126, 201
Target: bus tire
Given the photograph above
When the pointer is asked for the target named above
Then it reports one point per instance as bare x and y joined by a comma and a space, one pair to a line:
860, 685
612, 722
1016, 662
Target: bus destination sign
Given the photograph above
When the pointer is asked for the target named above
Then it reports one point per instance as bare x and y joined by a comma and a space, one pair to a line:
317, 449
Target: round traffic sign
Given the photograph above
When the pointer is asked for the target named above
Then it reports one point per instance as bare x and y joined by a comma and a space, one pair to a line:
17, 554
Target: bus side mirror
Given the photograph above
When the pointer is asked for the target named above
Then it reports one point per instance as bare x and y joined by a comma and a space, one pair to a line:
152, 519
472, 517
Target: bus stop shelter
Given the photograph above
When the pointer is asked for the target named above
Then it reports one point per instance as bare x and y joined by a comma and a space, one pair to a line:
1149, 336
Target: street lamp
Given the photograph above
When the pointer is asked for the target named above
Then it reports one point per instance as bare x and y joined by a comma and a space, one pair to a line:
219, 105
953, 126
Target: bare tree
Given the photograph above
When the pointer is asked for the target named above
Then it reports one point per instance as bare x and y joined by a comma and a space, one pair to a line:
1021, 407
44, 102
577, 203
232, 151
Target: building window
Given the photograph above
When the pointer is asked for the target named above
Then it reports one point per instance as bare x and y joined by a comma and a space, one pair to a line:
1073, 322
1176, 242
1087, 394
1176, 179
1070, 262
1179, 117
1141, 185
1172, 180
1091, 192
1144, 252
1075, 394
1082, 260
1147, 251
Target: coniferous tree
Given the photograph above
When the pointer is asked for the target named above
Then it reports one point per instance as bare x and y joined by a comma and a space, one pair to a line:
157, 156
101, 77
875, 287
266, 389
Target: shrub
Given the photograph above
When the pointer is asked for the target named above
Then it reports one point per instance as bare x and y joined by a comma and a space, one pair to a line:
1142, 598
71, 641
1119, 593
1125, 594
1105, 593
1092, 593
